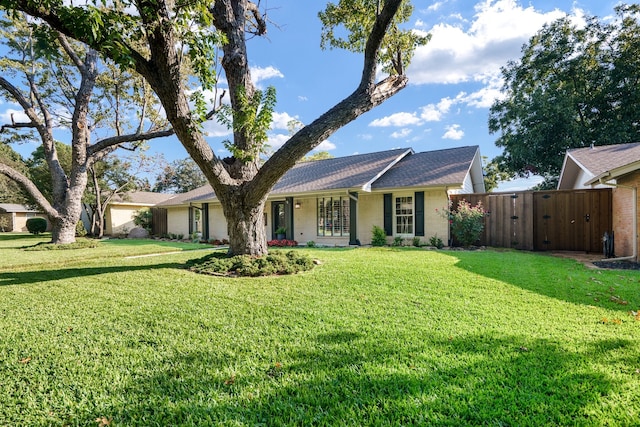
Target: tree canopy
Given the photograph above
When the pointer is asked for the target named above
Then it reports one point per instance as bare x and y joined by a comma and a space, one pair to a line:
180, 176
168, 42
572, 87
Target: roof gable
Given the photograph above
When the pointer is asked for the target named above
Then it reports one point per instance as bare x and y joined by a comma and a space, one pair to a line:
446, 167
596, 162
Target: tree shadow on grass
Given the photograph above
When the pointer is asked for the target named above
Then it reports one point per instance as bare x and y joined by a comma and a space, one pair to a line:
38, 276
558, 278
348, 379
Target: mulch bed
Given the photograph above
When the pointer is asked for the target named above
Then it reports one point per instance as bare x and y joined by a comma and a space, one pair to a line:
618, 265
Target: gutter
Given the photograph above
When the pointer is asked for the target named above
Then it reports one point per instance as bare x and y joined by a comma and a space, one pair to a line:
635, 220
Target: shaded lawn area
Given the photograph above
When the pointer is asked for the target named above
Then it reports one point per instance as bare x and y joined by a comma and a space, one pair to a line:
370, 337
107, 249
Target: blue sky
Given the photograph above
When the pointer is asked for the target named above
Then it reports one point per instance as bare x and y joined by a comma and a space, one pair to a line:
453, 80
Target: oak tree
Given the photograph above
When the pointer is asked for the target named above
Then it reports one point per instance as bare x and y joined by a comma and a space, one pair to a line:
157, 37
572, 87
53, 79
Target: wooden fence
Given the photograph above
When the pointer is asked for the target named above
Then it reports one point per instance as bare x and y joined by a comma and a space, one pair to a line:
572, 220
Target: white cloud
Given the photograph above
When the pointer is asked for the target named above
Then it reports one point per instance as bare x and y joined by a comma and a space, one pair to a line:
453, 132
259, 74
397, 119
435, 112
214, 129
325, 145
403, 133
434, 7
365, 136
302, 98
18, 116
458, 54
281, 120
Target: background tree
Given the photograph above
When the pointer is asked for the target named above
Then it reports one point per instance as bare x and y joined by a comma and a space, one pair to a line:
10, 192
53, 80
320, 155
572, 87
173, 33
115, 176
180, 176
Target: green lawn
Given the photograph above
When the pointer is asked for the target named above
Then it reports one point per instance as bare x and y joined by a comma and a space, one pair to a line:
370, 337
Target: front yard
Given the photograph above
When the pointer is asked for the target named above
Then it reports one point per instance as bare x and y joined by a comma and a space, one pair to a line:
372, 336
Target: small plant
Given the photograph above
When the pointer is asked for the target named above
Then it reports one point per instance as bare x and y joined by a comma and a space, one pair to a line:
397, 241
311, 244
416, 242
379, 237
143, 218
81, 231
36, 225
436, 242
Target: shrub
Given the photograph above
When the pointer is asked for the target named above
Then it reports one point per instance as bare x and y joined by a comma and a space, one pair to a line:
379, 237
467, 222
4, 223
276, 262
143, 218
416, 242
311, 244
80, 230
36, 225
436, 242
282, 243
397, 241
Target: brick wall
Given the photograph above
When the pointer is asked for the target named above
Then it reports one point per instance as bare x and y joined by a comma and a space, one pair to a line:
623, 218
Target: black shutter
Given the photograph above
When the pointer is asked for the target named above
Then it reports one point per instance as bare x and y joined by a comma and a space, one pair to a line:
419, 213
388, 215
190, 219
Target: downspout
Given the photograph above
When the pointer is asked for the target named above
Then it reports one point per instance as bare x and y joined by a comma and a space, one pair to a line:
635, 221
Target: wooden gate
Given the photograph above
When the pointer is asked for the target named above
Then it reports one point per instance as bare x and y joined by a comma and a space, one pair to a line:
571, 220
158, 222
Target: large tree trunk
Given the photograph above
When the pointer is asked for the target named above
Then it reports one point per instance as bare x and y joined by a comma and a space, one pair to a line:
245, 225
63, 231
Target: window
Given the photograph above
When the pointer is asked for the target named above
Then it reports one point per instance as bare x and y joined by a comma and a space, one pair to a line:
404, 215
333, 216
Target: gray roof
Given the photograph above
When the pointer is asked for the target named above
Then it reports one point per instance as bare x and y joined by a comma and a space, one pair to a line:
385, 169
15, 208
351, 172
201, 193
605, 158
141, 198
430, 168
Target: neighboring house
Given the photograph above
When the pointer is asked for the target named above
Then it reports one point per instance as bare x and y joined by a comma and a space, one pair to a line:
122, 208
17, 216
612, 166
338, 201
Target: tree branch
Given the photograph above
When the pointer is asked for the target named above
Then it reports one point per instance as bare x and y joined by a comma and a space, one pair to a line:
367, 96
30, 188
121, 139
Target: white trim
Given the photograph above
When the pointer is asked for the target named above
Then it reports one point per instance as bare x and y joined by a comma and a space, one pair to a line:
367, 186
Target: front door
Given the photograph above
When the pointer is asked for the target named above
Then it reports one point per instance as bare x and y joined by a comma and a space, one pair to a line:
279, 217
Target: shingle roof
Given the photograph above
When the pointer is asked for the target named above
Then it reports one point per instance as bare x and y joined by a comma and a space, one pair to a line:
605, 158
201, 193
430, 168
384, 169
15, 208
338, 173
141, 198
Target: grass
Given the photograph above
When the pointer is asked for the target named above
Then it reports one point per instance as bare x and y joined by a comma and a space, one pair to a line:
372, 336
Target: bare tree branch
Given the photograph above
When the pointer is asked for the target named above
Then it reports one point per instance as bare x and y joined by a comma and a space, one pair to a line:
121, 139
